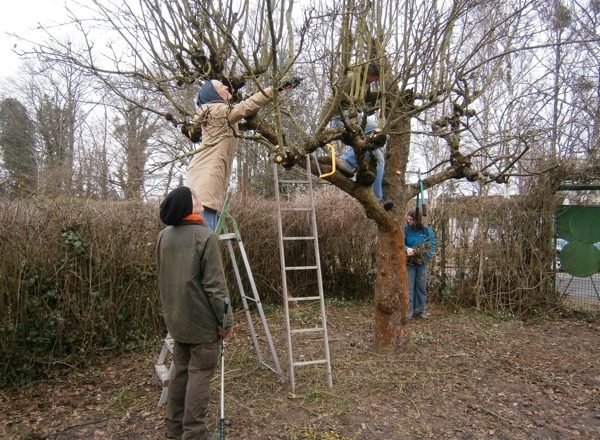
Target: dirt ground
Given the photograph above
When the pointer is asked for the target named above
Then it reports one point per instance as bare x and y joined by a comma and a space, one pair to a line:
469, 376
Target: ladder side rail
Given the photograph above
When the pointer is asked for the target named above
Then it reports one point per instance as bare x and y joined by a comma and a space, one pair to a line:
259, 306
319, 274
163, 354
161, 371
238, 279
276, 368
221, 222
163, 396
284, 277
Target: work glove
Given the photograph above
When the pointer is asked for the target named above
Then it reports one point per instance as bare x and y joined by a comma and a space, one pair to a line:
290, 83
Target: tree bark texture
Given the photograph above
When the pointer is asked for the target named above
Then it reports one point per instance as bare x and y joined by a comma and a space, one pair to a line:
391, 291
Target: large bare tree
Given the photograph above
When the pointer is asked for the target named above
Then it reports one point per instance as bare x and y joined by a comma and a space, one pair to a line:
56, 94
448, 78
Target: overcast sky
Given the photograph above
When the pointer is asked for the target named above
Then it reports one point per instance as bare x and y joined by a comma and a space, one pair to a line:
21, 17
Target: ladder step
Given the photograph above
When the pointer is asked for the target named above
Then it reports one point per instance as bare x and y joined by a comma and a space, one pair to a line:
301, 268
163, 374
264, 364
170, 344
229, 236
251, 298
307, 330
302, 364
296, 209
298, 238
303, 298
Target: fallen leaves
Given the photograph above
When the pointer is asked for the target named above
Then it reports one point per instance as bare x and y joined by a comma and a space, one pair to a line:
470, 378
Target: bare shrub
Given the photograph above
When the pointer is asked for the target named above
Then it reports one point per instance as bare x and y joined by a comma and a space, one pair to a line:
78, 276
75, 276
495, 254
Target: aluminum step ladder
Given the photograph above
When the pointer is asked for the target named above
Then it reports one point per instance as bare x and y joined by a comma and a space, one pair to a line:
164, 365
163, 369
226, 224
305, 313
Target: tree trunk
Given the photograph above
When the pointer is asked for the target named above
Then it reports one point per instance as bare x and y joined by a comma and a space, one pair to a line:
391, 291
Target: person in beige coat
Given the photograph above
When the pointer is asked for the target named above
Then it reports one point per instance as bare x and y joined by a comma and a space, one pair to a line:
210, 169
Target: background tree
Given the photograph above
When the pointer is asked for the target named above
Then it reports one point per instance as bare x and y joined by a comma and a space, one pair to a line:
585, 78
59, 98
95, 162
56, 125
17, 144
133, 129
81, 150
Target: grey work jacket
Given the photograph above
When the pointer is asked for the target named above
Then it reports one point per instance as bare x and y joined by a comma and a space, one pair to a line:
192, 283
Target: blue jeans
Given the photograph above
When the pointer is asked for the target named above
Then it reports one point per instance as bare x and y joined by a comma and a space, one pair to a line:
211, 217
350, 157
417, 289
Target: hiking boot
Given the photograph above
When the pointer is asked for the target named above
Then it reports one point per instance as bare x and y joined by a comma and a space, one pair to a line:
387, 204
343, 167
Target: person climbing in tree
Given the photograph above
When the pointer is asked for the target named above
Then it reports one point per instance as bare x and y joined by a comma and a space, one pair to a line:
357, 96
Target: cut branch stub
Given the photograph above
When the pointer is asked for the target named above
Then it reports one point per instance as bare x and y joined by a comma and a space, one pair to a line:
286, 157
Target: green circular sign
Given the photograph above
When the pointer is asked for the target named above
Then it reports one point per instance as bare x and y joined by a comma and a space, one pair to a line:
580, 259
585, 225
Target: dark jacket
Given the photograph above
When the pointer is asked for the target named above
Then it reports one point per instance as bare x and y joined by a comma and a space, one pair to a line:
192, 283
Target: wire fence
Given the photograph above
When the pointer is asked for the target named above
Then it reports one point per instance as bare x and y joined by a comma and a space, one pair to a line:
577, 255
516, 256
579, 292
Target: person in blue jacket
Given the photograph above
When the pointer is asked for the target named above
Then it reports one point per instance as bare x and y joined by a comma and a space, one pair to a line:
420, 248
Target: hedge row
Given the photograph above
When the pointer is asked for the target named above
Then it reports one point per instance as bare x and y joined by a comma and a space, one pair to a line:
77, 276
